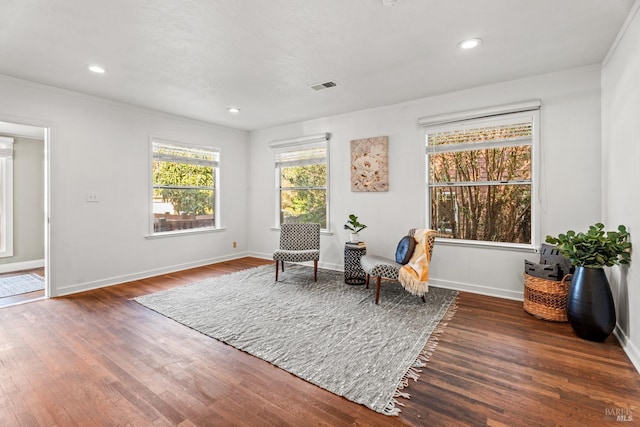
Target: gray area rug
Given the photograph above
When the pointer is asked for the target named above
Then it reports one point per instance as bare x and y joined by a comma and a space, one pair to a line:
20, 284
328, 333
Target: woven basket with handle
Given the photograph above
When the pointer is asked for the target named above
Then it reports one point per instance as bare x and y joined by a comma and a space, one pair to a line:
546, 299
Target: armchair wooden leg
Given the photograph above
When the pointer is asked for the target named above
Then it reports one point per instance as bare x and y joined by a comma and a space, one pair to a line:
277, 270
378, 279
367, 281
315, 271
423, 300
282, 264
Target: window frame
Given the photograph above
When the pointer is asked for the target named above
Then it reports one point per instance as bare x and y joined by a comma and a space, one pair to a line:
6, 197
293, 145
481, 118
215, 188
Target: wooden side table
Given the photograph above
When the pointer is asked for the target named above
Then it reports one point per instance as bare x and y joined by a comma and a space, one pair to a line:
353, 272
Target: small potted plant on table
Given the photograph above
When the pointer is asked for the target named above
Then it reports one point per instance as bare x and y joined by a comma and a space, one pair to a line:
355, 227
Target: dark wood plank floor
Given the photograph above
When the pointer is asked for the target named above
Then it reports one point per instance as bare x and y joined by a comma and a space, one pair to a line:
99, 359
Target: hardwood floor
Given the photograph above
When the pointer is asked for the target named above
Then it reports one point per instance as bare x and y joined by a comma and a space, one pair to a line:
99, 359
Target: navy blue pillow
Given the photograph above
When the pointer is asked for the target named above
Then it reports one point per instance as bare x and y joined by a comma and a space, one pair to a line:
405, 249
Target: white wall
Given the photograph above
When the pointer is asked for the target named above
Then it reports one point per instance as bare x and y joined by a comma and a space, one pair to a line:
103, 146
570, 133
28, 206
621, 174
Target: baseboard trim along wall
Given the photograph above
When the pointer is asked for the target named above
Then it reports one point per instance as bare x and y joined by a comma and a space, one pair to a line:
629, 347
457, 286
476, 289
118, 280
19, 266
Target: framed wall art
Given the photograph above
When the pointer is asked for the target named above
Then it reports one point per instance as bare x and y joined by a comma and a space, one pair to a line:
370, 164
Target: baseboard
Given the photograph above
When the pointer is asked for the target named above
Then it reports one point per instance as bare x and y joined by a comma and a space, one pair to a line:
447, 284
117, 280
476, 289
19, 266
629, 347
260, 255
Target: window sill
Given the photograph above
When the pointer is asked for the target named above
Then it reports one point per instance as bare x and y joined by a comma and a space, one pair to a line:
203, 230
322, 232
515, 247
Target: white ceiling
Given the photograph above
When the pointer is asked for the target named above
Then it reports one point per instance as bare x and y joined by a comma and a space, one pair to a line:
196, 58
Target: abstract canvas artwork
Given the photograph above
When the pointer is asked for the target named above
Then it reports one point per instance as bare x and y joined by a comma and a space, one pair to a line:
370, 164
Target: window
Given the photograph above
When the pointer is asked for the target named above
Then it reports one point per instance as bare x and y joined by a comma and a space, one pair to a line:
301, 180
6, 196
480, 178
185, 182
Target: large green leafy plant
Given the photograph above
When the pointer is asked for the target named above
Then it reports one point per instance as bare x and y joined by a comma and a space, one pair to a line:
596, 248
354, 225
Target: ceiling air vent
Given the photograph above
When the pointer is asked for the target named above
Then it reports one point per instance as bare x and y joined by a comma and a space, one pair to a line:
325, 85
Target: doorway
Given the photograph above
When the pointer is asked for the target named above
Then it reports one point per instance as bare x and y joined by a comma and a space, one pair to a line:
23, 213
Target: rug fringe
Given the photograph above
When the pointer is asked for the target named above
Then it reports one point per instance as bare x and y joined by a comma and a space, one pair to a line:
421, 361
391, 408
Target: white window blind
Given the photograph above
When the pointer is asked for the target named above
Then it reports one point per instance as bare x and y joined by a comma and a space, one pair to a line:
6, 147
301, 157
192, 155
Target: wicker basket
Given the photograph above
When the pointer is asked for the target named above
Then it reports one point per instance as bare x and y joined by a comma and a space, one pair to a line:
546, 299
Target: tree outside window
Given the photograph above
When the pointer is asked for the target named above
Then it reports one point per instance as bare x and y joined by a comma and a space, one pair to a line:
303, 194
480, 182
184, 186
301, 176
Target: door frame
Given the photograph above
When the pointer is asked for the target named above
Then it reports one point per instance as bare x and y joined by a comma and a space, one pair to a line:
48, 273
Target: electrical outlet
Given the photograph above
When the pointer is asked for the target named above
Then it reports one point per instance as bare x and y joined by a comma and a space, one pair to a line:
234, 245
92, 197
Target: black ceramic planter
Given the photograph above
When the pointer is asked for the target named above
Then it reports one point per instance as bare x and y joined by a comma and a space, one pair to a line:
590, 308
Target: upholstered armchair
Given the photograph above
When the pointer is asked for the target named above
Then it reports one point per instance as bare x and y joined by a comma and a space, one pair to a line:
410, 267
298, 243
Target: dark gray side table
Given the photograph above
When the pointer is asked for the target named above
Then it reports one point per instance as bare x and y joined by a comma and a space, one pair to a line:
353, 272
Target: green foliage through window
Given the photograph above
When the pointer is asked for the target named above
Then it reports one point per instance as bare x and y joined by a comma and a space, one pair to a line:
189, 188
303, 195
301, 173
480, 182
183, 186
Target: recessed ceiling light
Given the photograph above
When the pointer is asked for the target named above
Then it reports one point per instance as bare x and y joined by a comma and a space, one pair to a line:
389, 2
97, 69
233, 110
469, 43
